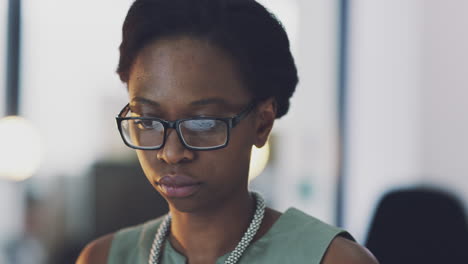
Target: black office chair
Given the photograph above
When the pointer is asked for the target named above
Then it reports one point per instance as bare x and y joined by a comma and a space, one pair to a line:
419, 225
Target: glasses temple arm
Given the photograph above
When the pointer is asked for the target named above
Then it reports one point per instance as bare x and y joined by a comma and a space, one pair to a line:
236, 119
123, 110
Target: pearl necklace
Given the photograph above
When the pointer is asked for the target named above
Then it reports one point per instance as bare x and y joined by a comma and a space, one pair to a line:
163, 232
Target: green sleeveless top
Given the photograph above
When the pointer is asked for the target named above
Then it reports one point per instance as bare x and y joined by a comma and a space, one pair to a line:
294, 238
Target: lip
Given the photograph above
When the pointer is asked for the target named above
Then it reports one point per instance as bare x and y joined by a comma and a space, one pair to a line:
178, 186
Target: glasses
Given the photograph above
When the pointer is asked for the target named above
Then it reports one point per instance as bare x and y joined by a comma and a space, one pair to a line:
197, 133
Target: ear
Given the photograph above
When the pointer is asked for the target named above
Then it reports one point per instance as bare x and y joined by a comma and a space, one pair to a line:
265, 117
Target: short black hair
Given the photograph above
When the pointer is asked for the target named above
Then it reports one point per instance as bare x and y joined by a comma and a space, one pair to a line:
244, 29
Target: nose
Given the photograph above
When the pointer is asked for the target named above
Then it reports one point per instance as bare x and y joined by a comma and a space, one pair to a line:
174, 151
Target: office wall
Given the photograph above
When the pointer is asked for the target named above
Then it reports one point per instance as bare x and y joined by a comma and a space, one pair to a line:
444, 98
408, 92
304, 166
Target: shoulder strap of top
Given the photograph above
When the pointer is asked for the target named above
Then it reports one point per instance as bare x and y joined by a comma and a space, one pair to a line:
305, 235
132, 244
318, 234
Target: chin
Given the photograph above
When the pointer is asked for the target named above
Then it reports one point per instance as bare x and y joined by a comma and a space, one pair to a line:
185, 205
189, 204
196, 203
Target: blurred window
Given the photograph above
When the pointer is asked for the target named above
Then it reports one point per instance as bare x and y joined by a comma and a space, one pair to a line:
69, 57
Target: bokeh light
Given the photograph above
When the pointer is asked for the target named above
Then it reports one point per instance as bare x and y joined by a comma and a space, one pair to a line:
20, 148
258, 160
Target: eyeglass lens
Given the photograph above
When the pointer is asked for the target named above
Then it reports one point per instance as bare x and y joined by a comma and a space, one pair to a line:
204, 133
196, 133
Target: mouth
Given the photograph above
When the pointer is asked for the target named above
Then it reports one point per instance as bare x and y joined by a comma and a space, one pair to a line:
178, 186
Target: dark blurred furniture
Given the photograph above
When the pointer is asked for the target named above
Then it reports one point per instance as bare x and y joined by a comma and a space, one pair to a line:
123, 197
419, 225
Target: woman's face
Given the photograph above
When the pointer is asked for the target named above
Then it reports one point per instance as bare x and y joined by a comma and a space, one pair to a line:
183, 77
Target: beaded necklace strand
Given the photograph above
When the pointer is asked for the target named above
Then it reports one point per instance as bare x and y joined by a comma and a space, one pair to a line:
236, 254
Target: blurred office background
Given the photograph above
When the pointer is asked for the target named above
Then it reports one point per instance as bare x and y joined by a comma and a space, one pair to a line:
380, 107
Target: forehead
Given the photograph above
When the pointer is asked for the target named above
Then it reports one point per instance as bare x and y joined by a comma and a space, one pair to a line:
180, 70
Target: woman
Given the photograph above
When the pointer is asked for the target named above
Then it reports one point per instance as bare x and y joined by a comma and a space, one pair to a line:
206, 80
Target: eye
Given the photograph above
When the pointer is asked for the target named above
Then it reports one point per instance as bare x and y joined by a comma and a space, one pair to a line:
200, 125
148, 124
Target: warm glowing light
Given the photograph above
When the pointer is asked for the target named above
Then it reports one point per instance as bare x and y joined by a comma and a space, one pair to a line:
20, 148
258, 160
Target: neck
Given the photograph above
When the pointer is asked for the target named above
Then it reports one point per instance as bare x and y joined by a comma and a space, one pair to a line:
207, 235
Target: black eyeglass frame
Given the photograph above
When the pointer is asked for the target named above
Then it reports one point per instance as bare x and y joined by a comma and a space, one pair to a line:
231, 122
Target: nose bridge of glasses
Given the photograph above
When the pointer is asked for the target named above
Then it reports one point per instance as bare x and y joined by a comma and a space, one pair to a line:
172, 124
171, 128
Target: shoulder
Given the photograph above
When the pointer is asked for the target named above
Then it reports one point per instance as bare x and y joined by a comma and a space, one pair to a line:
343, 250
310, 227
123, 245
322, 242
97, 251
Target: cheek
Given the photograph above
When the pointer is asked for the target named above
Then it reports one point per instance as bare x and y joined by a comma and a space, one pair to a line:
147, 161
234, 159
224, 168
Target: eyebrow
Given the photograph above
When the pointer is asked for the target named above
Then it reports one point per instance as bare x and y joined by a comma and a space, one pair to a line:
201, 102
145, 101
